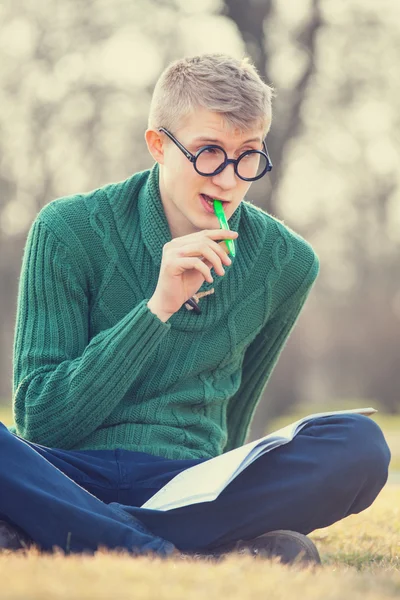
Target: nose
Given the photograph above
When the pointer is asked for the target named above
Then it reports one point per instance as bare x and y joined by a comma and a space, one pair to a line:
226, 179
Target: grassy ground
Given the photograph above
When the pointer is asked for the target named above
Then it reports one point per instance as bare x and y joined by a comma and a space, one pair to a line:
361, 561
360, 555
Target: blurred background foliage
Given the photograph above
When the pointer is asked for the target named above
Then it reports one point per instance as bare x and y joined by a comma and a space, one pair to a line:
75, 86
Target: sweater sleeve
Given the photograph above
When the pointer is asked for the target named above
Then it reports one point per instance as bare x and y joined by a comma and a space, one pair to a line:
65, 384
260, 359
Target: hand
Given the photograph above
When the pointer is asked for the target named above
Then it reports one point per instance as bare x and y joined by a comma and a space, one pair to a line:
186, 263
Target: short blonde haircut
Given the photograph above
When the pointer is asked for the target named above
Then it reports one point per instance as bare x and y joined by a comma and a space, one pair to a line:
216, 82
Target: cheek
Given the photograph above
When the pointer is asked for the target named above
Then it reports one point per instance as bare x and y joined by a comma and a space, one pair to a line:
181, 182
172, 174
178, 167
187, 179
180, 177
242, 189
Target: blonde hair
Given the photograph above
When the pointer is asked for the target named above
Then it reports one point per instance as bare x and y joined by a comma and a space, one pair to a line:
216, 82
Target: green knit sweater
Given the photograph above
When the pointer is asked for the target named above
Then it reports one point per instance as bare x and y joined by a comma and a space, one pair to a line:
94, 368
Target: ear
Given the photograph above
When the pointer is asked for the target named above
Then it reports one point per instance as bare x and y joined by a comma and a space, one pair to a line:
155, 145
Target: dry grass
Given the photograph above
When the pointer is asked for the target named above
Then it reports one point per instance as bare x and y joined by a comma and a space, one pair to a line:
361, 561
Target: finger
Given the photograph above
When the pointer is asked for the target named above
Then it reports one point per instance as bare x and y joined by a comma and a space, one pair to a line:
224, 246
223, 251
220, 249
188, 263
215, 234
221, 234
204, 270
212, 253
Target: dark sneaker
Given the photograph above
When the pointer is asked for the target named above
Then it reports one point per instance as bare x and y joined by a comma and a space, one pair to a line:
12, 538
291, 547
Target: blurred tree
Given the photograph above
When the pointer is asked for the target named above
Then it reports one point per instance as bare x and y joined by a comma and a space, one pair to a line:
344, 167
256, 21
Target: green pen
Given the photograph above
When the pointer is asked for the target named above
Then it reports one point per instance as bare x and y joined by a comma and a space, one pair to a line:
219, 211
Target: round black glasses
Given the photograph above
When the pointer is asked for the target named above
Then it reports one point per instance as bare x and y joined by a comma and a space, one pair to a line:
211, 160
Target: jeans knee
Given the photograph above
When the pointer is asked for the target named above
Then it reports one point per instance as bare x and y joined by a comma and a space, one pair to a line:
4, 433
366, 447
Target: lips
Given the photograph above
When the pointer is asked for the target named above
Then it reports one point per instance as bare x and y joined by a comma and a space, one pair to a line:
208, 206
211, 198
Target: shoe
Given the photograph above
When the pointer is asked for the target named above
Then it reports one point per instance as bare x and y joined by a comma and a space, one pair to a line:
12, 538
290, 546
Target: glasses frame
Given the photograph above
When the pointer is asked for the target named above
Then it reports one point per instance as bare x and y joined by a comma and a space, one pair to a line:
193, 157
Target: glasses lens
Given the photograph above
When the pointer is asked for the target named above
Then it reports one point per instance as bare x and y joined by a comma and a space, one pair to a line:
252, 164
209, 160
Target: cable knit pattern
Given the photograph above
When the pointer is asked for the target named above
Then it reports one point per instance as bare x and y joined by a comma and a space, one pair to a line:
94, 368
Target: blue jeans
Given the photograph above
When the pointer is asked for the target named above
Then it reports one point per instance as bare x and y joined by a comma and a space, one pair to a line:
80, 501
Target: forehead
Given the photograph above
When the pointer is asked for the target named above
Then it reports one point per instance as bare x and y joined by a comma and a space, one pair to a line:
206, 125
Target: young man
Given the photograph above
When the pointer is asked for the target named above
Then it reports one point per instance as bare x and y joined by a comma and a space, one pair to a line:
120, 383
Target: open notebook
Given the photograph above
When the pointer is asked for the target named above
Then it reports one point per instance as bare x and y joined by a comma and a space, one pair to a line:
205, 481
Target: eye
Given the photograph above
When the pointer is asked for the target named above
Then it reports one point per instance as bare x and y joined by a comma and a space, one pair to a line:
211, 151
247, 149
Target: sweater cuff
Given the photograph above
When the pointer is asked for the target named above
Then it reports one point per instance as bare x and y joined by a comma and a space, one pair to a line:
136, 336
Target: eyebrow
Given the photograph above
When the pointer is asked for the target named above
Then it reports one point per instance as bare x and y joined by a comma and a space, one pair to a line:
214, 141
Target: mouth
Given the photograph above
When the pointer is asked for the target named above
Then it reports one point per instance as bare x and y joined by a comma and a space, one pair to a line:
208, 202
215, 198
